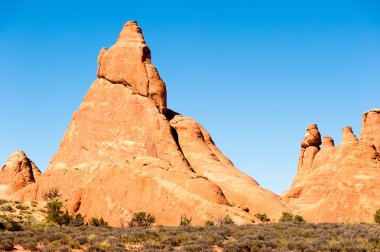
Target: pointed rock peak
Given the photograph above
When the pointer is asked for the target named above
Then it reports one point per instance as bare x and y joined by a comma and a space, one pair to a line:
14, 158
348, 135
327, 142
18, 171
312, 137
131, 33
128, 62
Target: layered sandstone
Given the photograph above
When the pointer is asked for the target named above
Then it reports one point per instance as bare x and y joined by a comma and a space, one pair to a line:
17, 172
124, 152
340, 183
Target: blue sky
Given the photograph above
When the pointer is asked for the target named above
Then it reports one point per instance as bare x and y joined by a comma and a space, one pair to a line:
253, 73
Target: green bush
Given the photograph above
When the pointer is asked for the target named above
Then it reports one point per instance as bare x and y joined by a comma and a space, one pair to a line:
77, 220
298, 218
142, 219
226, 220
54, 212
376, 216
98, 222
209, 223
56, 216
185, 222
286, 217
262, 217
289, 217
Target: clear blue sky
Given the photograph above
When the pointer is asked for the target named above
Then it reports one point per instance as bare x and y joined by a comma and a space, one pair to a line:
253, 73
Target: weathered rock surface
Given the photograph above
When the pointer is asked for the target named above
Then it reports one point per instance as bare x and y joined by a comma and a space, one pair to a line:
128, 62
17, 172
371, 128
123, 153
340, 184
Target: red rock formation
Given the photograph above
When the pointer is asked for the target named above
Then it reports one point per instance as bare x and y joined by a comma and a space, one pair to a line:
17, 172
123, 153
128, 62
340, 184
371, 128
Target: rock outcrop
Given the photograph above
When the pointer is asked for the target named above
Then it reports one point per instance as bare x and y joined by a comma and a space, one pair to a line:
342, 183
128, 62
17, 172
124, 152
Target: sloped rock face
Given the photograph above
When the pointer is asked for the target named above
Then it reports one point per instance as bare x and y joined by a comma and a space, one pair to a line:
340, 184
17, 172
123, 152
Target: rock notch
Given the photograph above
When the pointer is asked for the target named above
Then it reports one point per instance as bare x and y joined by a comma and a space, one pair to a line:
124, 152
340, 183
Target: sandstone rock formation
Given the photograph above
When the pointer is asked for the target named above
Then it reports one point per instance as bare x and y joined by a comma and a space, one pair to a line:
340, 184
124, 152
17, 172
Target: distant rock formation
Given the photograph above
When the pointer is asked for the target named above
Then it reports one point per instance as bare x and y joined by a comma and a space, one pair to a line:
125, 152
17, 172
339, 184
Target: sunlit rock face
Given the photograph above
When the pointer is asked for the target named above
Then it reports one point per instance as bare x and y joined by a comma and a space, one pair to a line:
339, 183
17, 172
125, 152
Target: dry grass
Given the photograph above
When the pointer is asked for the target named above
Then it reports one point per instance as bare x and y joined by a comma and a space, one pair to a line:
31, 213
255, 237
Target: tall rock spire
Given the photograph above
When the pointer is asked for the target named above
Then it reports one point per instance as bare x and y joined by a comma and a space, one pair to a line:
128, 62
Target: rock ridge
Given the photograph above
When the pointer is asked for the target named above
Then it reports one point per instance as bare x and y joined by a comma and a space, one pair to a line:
340, 183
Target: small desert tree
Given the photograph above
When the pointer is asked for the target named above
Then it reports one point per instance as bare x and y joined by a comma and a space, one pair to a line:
262, 217
52, 194
209, 223
142, 219
286, 217
226, 220
185, 222
98, 222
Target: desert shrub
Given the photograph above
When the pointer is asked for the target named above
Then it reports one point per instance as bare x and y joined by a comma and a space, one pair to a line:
2, 225
289, 217
98, 222
22, 207
12, 225
376, 217
286, 217
94, 248
226, 220
298, 218
77, 220
6, 244
54, 212
6, 208
28, 243
209, 223
52, 194
142, 219
185, 222
262, 217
